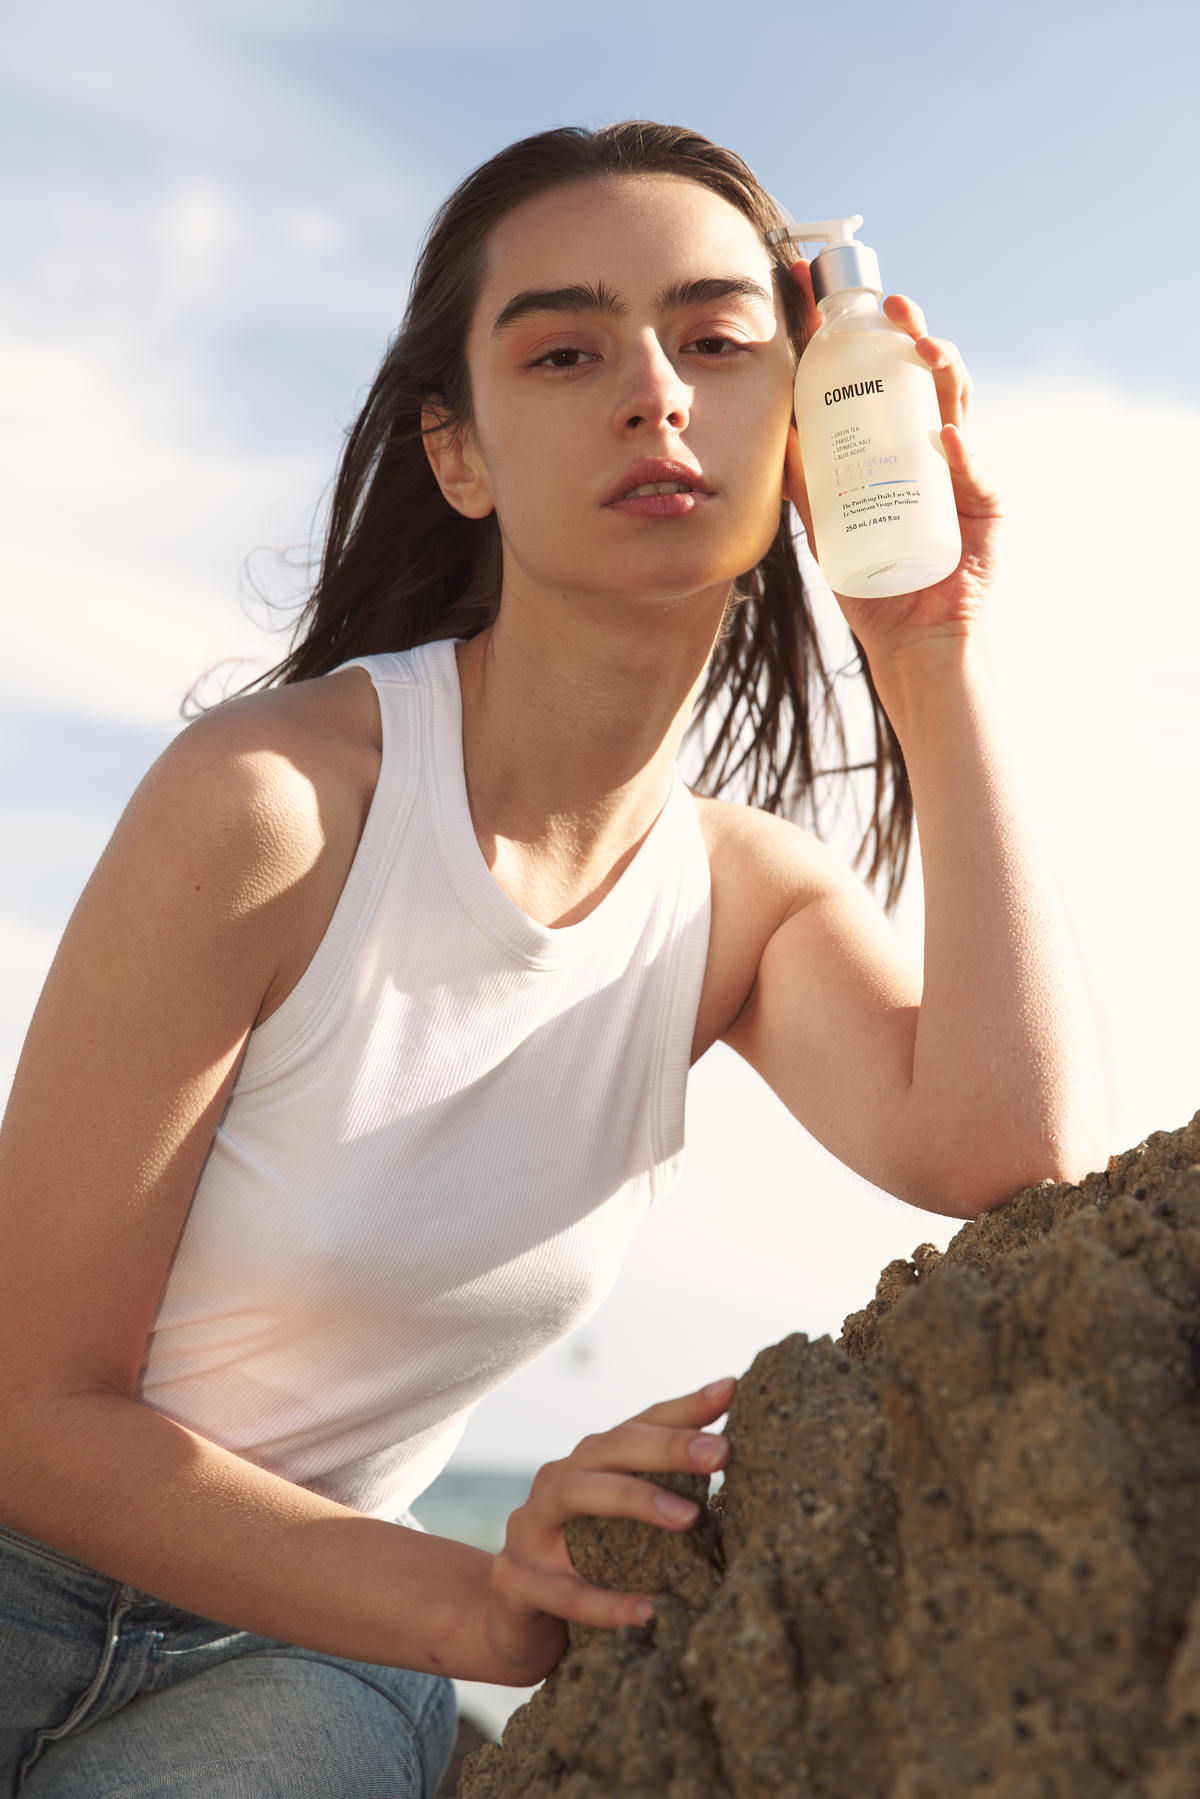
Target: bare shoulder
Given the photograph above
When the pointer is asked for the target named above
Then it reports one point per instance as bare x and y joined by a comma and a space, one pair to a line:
277, 767
765, 860
249, 823
764, 871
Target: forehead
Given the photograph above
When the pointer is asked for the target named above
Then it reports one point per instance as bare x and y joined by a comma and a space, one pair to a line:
635, 232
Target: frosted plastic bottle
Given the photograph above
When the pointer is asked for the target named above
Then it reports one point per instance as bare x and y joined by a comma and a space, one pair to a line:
883, 507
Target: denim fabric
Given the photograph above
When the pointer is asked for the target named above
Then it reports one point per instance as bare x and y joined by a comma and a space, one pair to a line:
106, 1693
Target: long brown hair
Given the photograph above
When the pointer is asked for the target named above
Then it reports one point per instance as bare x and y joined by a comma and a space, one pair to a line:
402, 567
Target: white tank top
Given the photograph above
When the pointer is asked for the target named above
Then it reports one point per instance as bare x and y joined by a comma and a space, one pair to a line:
438, 1148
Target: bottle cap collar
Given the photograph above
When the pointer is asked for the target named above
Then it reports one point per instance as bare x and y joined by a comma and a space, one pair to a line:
843, 263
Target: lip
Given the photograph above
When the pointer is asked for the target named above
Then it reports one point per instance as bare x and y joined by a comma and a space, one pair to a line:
658, 505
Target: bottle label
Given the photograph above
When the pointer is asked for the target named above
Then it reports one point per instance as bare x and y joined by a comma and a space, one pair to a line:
883, 508
872, 485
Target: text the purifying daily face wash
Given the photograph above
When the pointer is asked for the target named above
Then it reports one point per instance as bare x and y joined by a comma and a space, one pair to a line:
883, 510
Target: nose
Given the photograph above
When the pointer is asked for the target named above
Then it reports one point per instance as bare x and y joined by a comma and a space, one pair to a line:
654, 397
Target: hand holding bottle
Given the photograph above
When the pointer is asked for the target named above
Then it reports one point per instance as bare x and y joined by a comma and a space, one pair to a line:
954, 602
900, 519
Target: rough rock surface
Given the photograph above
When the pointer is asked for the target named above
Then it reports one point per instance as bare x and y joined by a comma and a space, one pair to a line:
957, 1552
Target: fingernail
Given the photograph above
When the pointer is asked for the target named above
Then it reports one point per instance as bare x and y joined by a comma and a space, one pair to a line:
675, 1507
706, 1452
644, 1611
716, 1389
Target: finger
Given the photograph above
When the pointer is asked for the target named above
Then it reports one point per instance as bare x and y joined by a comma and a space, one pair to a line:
670, 1444
527, 1591
645, 1448
976, 493
949, 372
588, 1493
693, 1408
950, 377
903, 311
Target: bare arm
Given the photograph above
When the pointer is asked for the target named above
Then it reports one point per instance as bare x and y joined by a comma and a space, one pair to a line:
217, 878
206, 908
989, 1079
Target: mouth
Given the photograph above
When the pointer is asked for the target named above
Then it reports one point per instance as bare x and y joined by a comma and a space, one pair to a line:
649, 487
659, 489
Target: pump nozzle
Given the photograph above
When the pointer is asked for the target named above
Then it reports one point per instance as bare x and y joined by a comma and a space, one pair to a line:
833, 233
842, 263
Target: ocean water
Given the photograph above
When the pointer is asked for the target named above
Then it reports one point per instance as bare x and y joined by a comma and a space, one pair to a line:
472, 1506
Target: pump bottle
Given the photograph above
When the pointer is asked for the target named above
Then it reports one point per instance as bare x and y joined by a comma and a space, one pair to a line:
883, 507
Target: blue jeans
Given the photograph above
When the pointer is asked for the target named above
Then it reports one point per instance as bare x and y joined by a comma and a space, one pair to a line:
106, 1693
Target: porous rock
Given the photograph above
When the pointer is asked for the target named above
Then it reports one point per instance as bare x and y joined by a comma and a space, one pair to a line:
957, 1552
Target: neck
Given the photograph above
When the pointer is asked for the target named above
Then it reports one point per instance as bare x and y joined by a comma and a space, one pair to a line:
573, 713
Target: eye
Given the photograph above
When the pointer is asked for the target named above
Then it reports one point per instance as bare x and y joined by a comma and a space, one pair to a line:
564, 359
713, 346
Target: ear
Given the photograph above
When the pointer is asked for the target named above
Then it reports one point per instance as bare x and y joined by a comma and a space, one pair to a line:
456, 463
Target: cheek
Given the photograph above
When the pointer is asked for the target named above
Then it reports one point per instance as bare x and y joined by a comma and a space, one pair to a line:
762, 448
761, 453
529, 455
530, 493
754, 422
532, 481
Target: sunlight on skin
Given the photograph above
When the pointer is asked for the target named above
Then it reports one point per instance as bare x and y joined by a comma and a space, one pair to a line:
608, 618
718, 372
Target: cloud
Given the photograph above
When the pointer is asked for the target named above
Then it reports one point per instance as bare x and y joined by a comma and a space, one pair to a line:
190, 78
180, 184
120, 564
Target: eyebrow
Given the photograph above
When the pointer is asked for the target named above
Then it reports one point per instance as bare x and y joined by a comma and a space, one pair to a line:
583, 297
712, 287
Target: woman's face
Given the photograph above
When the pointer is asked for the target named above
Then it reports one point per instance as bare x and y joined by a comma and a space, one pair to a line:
628, 338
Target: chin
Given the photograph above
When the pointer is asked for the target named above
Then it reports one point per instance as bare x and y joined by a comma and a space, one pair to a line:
659, 567
671, 586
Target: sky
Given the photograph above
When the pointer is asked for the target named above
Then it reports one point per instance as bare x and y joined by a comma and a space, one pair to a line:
210, 211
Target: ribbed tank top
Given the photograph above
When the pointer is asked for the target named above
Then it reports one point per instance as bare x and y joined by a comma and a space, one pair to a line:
438, 1148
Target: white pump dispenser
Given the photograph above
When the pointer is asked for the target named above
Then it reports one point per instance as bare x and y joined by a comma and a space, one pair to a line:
883, 510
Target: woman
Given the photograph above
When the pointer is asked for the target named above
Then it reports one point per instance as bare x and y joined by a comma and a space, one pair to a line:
365, 1049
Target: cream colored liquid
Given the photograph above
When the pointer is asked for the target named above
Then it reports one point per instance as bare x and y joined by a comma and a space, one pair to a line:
883, 507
